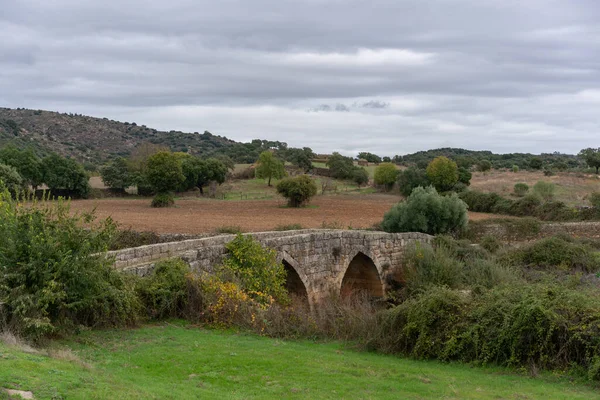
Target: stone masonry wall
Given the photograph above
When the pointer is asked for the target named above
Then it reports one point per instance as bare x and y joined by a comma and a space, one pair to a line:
320, 257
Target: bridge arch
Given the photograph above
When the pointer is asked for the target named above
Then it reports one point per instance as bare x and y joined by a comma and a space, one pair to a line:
296, 280
362, 275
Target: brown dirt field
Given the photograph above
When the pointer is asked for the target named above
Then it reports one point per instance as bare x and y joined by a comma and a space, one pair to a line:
195, 216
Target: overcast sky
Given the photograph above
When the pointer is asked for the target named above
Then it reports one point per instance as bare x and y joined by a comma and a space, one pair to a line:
387, 76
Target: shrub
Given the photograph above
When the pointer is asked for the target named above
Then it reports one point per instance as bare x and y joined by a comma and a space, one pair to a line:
484, 165
164, 292
298, 190
525, 206
480, 202
360, 176
386, 175
423, 325
515, 168
545, 190
443, 173
288, 227
544, 326
163, 200
52, 277
257, 270
129, 238
229, 229
521, 189
426, 211
555, 211
556, 253
425, 266
490, 243
519, 325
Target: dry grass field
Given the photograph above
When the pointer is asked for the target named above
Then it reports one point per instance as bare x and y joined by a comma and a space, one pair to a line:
571, 187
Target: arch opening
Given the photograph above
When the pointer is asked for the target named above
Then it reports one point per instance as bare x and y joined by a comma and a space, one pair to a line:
362, 277
294, 284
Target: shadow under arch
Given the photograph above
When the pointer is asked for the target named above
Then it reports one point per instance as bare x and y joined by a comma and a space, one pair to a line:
294, 284
362, 276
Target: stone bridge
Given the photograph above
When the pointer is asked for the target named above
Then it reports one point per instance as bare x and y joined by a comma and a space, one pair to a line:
319, 262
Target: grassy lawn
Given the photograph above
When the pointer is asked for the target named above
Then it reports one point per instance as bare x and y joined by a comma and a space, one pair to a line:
183, 362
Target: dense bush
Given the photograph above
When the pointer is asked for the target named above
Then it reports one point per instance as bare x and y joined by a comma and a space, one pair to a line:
298, 190
162, 200
521, 189
519, 325
556, 253
51, 278
256, 269
360, 176
525, 206
479, 201
427, 211
164, 292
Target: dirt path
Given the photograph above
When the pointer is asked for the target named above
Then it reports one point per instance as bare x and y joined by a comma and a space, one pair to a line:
194, 216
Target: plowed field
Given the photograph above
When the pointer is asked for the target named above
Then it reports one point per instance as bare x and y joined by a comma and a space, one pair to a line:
194, 216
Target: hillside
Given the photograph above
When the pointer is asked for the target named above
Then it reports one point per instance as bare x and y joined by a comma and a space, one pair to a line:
94, 140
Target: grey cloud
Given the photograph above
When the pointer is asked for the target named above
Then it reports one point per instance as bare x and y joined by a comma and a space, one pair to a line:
452, 72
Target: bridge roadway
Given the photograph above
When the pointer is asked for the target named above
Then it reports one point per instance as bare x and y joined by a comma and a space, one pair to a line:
319, 262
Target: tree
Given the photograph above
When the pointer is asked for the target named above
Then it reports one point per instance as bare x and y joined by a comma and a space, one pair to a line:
116, 174
10, 179
138, 162
341, 167
386, 159
199, 173
65, 174
301, 158
386, 175
25, 162
298, 190
269, 167
164, 174
360, 176
443, 173
591, 157
370, 157
411, 178
427, 211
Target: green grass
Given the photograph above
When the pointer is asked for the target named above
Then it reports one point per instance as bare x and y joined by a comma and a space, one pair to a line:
185, 362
